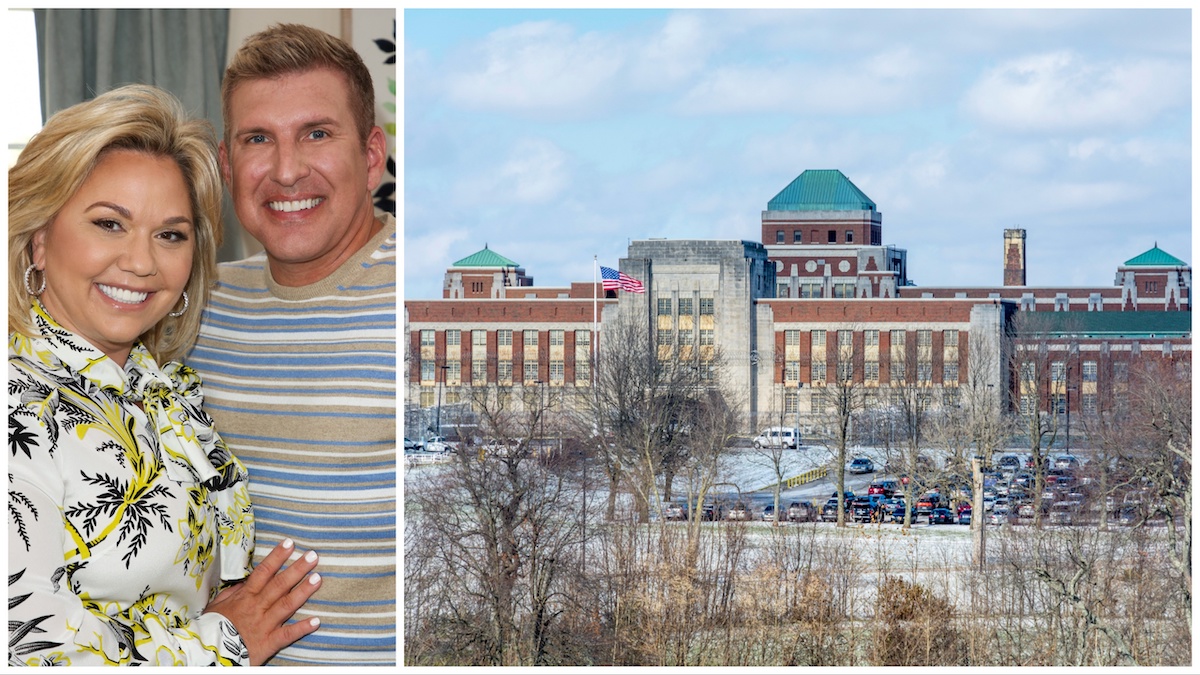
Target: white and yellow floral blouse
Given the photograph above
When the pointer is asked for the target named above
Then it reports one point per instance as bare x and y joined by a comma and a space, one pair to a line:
126, 510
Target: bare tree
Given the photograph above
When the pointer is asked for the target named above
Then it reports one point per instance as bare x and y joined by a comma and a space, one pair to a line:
1040, 390
497, 526
841, 400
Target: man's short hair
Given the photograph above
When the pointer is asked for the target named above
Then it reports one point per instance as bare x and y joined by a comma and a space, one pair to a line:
288, 48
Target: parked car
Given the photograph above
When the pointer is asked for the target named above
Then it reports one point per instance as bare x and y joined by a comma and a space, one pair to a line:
739, 512
883, 486
1063, 512
675, 511
941, 516
964, 516
895, 512
1068, 462
862, 465
713, 511
927, 503
802, 512
999, 514
768, 513
866, 509
410, 444
829, 510
1009, 463
776, 437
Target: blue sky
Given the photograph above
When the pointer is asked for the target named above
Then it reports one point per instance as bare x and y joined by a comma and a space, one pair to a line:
556, 135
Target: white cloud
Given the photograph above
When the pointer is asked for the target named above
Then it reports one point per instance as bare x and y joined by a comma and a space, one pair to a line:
876, 82
538, 66
1143, 151
534, 172
1062, 91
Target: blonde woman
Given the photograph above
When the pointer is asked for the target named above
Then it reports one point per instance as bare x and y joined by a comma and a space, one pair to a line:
130, 528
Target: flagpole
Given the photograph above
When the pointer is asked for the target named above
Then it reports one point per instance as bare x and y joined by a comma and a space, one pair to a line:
595, 328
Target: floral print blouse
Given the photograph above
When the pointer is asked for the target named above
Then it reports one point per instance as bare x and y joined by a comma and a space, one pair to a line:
126, 510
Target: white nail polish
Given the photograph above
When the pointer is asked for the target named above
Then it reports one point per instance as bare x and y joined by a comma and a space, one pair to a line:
314, 579
314, 622
310, 556
288, 543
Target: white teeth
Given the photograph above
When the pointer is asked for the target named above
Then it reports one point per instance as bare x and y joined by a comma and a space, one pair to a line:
295, 205
122, 295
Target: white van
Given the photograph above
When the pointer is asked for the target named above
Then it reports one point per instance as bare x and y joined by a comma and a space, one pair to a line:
778, 437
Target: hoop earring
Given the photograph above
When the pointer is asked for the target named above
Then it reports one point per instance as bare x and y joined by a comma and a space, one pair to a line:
28, 288
185, 306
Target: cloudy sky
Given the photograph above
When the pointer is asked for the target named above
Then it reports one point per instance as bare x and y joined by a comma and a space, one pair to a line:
556, 135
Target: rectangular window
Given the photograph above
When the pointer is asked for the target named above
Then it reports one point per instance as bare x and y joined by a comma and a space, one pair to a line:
1089, 404
791, 400
1028, 372
845, 338
1121, 372
871, 371
871, 338
664, 306
810, 290
1058, 371
1089, 371
426, 338
685, 306
782, 286
897, 338
1027, 404
924, 338
686, 336
818, 338
428, 397
504, 371
707, 337
478, 340
950, 338
778, 236
849, 236
556, 338
531, 372
833, 236
818, 372
479, 372
665, 337
453, 337
925, 373
504, 337
791, 371
583, 372
583, 338
531, 338
950, 373
845, 371
949, 397
453, 371
816, 402
796, 238
557, 372
427, 371
843, 290
706, 306
791, 338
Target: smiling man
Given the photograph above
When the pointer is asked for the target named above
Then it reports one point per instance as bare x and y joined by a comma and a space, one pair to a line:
298, 345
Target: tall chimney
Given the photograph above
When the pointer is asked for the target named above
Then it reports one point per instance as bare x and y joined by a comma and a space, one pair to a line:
1014, 257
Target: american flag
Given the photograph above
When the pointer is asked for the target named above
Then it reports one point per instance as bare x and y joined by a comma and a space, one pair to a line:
614, 280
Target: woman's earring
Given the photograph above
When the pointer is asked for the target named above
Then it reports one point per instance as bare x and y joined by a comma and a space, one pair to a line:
28, 288
180, 312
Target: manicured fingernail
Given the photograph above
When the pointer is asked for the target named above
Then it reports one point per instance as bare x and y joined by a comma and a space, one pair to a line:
314, 622
310, 556
288, 543
314, 579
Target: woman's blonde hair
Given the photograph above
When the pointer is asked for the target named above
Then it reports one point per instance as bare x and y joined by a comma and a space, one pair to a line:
63, 154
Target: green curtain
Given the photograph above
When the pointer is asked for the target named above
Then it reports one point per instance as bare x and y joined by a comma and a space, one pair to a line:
85, 52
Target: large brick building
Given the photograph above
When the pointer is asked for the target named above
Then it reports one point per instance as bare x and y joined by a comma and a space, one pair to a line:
818, 299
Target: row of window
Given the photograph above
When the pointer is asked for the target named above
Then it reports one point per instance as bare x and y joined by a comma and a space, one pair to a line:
819, 400
504, 372
1088, 371
798, 237
845, 338
811, 289
685, 306
686, 336
845, 372
504, 337
1058, 403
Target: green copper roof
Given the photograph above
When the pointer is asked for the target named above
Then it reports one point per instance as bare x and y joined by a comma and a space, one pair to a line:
821, 190
1107, 324
1156, 257
485, 258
